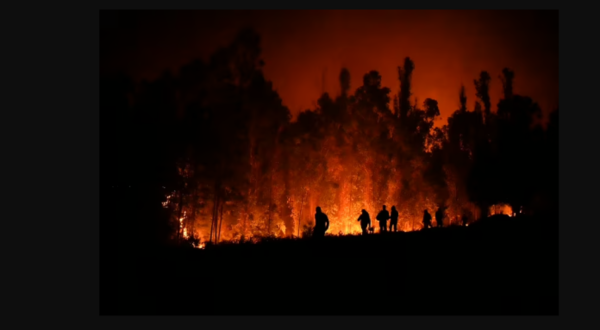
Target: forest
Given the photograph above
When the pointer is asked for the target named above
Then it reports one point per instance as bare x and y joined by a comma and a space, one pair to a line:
210, 154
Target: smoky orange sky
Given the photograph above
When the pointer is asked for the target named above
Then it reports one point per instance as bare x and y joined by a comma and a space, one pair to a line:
305, 50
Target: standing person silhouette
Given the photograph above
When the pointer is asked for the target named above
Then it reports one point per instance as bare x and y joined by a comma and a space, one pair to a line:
394, 220
426, 219
382, 217
365, 221
321, 223
439, 216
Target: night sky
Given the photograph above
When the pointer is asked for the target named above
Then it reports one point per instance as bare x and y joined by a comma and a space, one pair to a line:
305, 50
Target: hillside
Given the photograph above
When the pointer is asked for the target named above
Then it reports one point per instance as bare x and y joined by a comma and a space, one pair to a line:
499, 265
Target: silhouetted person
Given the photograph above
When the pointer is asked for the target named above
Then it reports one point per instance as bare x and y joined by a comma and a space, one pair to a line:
321, 223
464, 220
365, 221
426, 220
382, 217
439, 216
394, 220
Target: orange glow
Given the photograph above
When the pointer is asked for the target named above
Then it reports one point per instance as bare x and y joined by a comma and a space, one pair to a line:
501, 209
304, 50
342, 205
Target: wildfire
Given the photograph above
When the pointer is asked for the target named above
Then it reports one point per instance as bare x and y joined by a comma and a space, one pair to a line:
501, 209
167, 201
181, 227
343, 220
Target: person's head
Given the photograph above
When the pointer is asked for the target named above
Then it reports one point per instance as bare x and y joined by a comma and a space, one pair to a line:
364, 211
384, 207
318, 209
425, 211
394, 207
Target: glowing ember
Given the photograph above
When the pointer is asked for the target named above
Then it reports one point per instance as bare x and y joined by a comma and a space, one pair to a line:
167, 202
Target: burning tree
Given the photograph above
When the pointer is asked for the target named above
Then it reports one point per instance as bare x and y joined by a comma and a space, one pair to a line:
235, 166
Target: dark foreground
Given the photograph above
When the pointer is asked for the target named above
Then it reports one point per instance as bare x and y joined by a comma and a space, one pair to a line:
500, 266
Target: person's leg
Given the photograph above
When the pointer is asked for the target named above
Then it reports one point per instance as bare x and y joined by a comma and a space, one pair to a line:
317, 232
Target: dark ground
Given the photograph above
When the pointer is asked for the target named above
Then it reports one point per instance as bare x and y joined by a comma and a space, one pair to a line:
497, 266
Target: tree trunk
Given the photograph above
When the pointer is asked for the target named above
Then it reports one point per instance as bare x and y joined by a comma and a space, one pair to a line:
243, 236
352, 182
285, 207
220, 223
193, 212
216, 217
457, 204
212, 223
213, 226
179, 214
301, 208
270, 203
274, 164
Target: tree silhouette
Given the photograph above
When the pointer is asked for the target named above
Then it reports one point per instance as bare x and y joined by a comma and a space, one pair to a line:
507, 82
216, 155
482, 88
405, 76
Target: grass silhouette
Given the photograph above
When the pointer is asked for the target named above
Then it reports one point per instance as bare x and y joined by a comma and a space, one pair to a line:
499, 265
